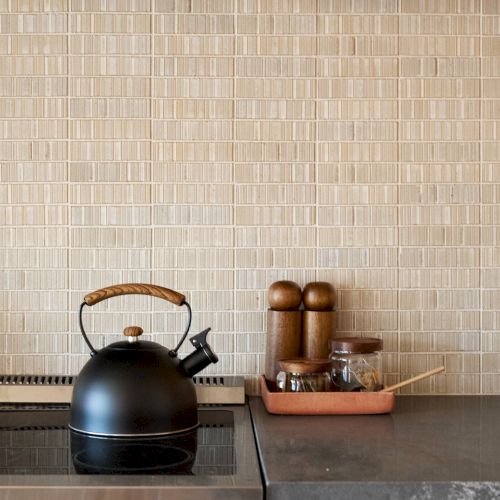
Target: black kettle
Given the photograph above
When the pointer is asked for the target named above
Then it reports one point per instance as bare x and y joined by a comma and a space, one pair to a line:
138, 388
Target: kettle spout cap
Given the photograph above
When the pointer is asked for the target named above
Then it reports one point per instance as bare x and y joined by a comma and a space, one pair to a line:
200, 342
201, 357
200, 339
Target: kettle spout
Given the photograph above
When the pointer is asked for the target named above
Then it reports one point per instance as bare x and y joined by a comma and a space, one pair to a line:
201, 357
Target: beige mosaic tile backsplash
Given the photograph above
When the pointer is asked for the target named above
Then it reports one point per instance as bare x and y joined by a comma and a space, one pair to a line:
216, 146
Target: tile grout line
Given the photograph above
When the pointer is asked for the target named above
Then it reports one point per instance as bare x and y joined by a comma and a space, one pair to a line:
68, 182
398, 195
151, 150
233, 145
316, 141
481, 93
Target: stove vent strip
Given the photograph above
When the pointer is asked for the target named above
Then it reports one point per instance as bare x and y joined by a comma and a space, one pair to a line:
34, 406
36, 428
37, 379
70, 379
209, 380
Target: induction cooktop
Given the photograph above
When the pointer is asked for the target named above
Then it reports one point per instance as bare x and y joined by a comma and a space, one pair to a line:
36, 440
41, 459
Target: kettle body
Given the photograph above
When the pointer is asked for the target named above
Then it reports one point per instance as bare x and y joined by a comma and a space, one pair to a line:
138, 388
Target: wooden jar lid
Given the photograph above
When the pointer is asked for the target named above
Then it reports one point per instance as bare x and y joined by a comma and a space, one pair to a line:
305, 365
361, 345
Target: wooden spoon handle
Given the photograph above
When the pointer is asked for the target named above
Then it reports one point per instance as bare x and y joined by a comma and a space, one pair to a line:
134, 288
413, 379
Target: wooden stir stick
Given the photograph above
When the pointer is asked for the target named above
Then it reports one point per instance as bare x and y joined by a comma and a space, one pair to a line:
413, 379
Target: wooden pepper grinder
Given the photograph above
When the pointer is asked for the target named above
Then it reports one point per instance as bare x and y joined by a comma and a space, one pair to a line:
283, 325
318, 319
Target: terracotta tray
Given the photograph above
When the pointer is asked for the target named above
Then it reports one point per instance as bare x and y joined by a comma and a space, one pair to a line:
325, 403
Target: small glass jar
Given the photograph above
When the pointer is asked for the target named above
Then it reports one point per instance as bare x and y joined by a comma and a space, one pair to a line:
304, 375
356, 364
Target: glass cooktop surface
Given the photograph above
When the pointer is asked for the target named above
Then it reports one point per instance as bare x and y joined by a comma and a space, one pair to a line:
36, 440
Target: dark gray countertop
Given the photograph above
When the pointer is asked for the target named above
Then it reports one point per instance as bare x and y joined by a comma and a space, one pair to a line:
429, 447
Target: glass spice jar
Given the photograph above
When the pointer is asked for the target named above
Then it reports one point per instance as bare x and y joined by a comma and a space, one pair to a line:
356, 364
304, 375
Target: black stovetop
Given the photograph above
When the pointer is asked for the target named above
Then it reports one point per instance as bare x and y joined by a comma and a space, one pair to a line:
35, 440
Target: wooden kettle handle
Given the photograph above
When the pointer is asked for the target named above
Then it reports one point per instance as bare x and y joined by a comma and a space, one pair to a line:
93, 298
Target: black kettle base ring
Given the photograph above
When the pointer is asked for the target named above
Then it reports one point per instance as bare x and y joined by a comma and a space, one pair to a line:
173, 352
135, 435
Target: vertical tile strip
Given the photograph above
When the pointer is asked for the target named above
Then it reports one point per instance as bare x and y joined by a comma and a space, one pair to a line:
193, 162
398, 216
69, 270
490, 196
481, 94
316, 147
440, 201
357, 178
233, 208
151, 148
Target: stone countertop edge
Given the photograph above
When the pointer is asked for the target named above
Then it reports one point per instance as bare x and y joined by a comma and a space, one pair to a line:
429, 447
383, 490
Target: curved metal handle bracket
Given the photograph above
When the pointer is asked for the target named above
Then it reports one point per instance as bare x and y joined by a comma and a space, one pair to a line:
173, 352
91, 347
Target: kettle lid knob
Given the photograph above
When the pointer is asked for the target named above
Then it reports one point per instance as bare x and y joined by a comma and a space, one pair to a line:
133, 332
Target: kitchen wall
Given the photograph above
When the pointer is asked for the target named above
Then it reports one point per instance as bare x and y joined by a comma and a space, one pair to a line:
216, 146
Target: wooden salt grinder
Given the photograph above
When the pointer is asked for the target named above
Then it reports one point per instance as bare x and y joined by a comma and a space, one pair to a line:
318, 320
283, 326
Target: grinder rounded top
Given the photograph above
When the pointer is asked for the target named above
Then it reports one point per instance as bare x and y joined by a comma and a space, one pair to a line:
284, 296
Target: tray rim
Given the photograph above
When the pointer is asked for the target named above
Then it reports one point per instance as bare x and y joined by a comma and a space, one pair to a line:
326, 403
